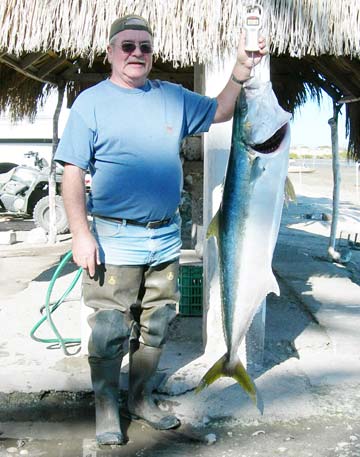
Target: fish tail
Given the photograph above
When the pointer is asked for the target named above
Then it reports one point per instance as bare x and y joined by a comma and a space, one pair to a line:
237, 371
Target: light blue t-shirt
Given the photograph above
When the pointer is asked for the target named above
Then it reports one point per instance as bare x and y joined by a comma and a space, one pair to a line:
129, 139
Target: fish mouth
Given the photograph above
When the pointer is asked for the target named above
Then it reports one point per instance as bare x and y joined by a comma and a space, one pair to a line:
273, 143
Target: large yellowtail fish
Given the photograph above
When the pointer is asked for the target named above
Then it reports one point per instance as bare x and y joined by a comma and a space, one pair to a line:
247, 223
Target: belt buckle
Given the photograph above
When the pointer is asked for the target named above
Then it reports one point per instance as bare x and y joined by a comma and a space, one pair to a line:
154, 224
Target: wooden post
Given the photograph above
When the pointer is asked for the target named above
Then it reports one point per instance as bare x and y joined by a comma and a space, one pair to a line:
333, 122
52, 175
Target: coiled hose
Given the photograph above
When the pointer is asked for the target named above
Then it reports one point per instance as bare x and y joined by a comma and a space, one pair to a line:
50, 308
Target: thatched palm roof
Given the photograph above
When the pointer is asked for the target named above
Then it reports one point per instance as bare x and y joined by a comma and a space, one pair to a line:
315, 45
186, 30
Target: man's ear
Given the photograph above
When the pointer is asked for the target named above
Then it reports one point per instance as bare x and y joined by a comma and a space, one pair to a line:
109, 50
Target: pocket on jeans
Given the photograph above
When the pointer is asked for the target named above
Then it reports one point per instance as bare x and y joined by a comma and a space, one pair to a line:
105, 228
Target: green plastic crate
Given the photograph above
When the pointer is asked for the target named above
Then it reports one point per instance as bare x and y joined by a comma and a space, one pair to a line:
191, 290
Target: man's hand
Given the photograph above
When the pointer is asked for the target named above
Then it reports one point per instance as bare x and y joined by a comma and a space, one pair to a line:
241, 72
86, 252
246, 60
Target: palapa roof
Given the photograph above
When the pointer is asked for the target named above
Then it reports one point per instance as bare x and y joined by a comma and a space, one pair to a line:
315, 44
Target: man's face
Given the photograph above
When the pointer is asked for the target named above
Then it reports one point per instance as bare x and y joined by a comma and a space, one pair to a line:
130, 68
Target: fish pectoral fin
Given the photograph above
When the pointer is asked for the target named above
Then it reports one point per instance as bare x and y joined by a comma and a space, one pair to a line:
213, 229
290, 195
236, 371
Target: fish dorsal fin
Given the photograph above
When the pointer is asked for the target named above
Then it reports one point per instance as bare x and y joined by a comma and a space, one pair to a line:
213, 228
290, 195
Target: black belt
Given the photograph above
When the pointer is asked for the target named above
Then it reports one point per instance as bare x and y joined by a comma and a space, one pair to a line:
151, 224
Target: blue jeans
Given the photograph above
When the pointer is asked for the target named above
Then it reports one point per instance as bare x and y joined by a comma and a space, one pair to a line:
122, 244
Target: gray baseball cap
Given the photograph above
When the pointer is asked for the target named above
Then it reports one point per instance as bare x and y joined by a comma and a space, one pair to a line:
129, 22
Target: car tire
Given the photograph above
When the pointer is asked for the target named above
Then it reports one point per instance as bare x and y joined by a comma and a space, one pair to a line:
42, 213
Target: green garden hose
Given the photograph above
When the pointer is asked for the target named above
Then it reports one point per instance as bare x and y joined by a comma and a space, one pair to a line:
50, 308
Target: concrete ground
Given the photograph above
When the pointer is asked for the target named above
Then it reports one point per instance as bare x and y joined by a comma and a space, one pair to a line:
311, 363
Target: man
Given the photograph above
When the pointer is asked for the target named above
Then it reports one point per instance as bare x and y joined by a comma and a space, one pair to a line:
127, 131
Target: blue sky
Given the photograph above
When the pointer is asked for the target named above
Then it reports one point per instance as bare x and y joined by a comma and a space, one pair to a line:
310, 125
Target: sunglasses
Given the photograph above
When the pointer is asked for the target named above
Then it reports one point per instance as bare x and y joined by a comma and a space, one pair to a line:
129, 46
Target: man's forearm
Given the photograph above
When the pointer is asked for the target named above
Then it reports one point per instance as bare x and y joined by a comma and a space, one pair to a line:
73, 192
84, 246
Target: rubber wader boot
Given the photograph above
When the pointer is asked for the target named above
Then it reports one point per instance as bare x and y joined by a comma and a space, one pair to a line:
143, 364
105, 381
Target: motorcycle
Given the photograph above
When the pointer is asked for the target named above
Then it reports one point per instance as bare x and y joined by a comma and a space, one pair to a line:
24, 191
